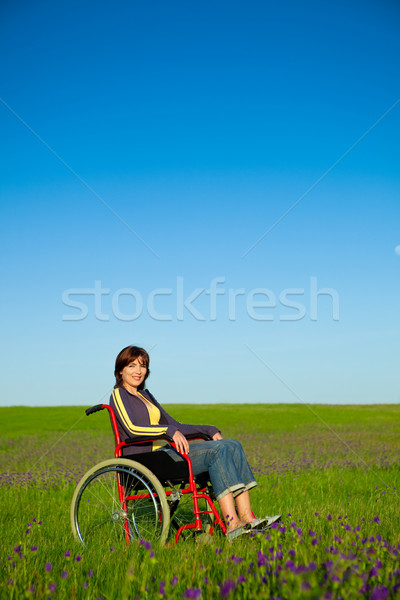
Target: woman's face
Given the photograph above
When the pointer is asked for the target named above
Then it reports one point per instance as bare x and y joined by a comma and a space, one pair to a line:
133, 374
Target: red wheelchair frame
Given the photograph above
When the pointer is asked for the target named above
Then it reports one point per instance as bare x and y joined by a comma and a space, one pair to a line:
186, 486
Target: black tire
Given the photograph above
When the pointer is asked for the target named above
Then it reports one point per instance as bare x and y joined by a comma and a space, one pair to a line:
98, 516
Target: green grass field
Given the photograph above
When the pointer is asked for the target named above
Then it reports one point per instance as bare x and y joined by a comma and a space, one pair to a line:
331, 471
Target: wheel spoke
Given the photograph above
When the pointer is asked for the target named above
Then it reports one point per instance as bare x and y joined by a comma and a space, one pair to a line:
97, 511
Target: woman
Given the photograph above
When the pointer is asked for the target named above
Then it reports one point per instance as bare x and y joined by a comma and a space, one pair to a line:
139, 414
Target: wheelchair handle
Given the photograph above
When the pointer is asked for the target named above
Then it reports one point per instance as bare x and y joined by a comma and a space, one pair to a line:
93, 409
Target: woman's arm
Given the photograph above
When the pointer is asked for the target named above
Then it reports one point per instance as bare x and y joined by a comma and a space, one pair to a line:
133, 416
185, 429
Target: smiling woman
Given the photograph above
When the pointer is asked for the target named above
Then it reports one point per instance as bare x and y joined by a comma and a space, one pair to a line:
139, 414
132, 368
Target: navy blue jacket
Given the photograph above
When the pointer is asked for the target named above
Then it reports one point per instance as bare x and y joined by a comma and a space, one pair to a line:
133, 419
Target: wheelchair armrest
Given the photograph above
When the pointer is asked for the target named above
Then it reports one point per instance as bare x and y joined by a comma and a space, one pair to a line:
93, 409
141, 439
198, 436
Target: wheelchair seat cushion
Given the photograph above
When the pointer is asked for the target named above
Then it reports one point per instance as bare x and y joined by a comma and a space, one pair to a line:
164, 467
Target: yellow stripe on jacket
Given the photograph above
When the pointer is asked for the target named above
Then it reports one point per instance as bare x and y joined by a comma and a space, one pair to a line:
131, 427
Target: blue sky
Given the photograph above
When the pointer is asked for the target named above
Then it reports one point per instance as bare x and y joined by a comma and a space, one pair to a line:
149, 147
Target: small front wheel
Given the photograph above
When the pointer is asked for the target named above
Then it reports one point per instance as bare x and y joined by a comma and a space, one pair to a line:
119, 500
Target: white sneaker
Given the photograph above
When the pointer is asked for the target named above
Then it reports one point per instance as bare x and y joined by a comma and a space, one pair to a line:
258, 523
235, 533
262, 523
271, 520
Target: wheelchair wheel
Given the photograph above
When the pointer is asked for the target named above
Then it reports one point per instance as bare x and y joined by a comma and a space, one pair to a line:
119, 500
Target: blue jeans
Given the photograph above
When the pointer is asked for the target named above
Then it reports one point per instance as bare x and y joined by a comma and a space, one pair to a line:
225, 462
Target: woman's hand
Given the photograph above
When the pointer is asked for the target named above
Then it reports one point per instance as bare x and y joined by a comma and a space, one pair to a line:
181, 443
217, 436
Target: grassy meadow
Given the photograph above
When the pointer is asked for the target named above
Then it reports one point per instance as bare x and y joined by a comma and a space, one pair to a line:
331, 471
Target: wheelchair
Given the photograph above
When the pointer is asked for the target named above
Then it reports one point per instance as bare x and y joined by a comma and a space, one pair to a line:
122, 499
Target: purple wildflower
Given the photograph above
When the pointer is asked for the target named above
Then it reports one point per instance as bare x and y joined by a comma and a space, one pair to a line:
174, 580
85, 585
33, 548
241, 579
52, 587
227, 587
329, 517
380, 592
311, 533
78, 558
161, 587
192, 593
67, 553
90, 573
377, 519
262, 559
48, 566
64, 575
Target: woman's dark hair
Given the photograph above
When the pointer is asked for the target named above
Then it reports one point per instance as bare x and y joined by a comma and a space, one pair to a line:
125, 357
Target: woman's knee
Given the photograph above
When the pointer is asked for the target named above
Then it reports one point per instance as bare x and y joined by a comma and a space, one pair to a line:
233, 444
228, 451
222, 451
